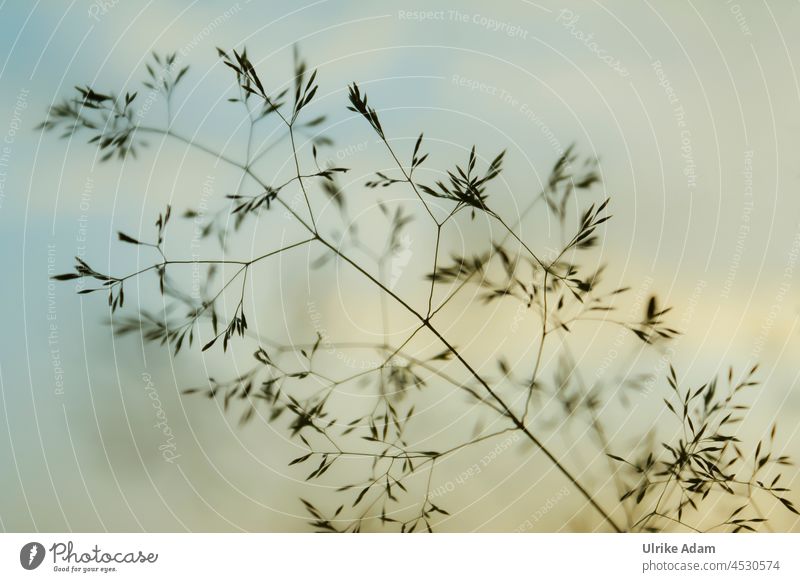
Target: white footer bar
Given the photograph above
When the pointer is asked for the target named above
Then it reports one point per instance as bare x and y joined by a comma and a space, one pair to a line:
395, 557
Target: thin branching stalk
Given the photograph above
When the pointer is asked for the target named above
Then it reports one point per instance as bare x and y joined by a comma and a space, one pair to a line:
656, 487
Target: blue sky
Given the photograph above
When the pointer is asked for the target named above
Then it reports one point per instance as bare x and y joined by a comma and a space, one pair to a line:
698, 143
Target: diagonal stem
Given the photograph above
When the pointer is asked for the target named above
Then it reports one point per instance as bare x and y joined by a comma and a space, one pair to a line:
426, 323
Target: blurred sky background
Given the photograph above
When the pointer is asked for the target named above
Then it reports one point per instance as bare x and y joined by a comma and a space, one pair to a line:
696, 125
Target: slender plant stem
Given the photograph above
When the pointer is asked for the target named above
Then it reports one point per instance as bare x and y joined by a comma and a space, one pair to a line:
426, 322
409, 180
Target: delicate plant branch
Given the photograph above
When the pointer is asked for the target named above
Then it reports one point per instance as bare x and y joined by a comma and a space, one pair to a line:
556, 289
